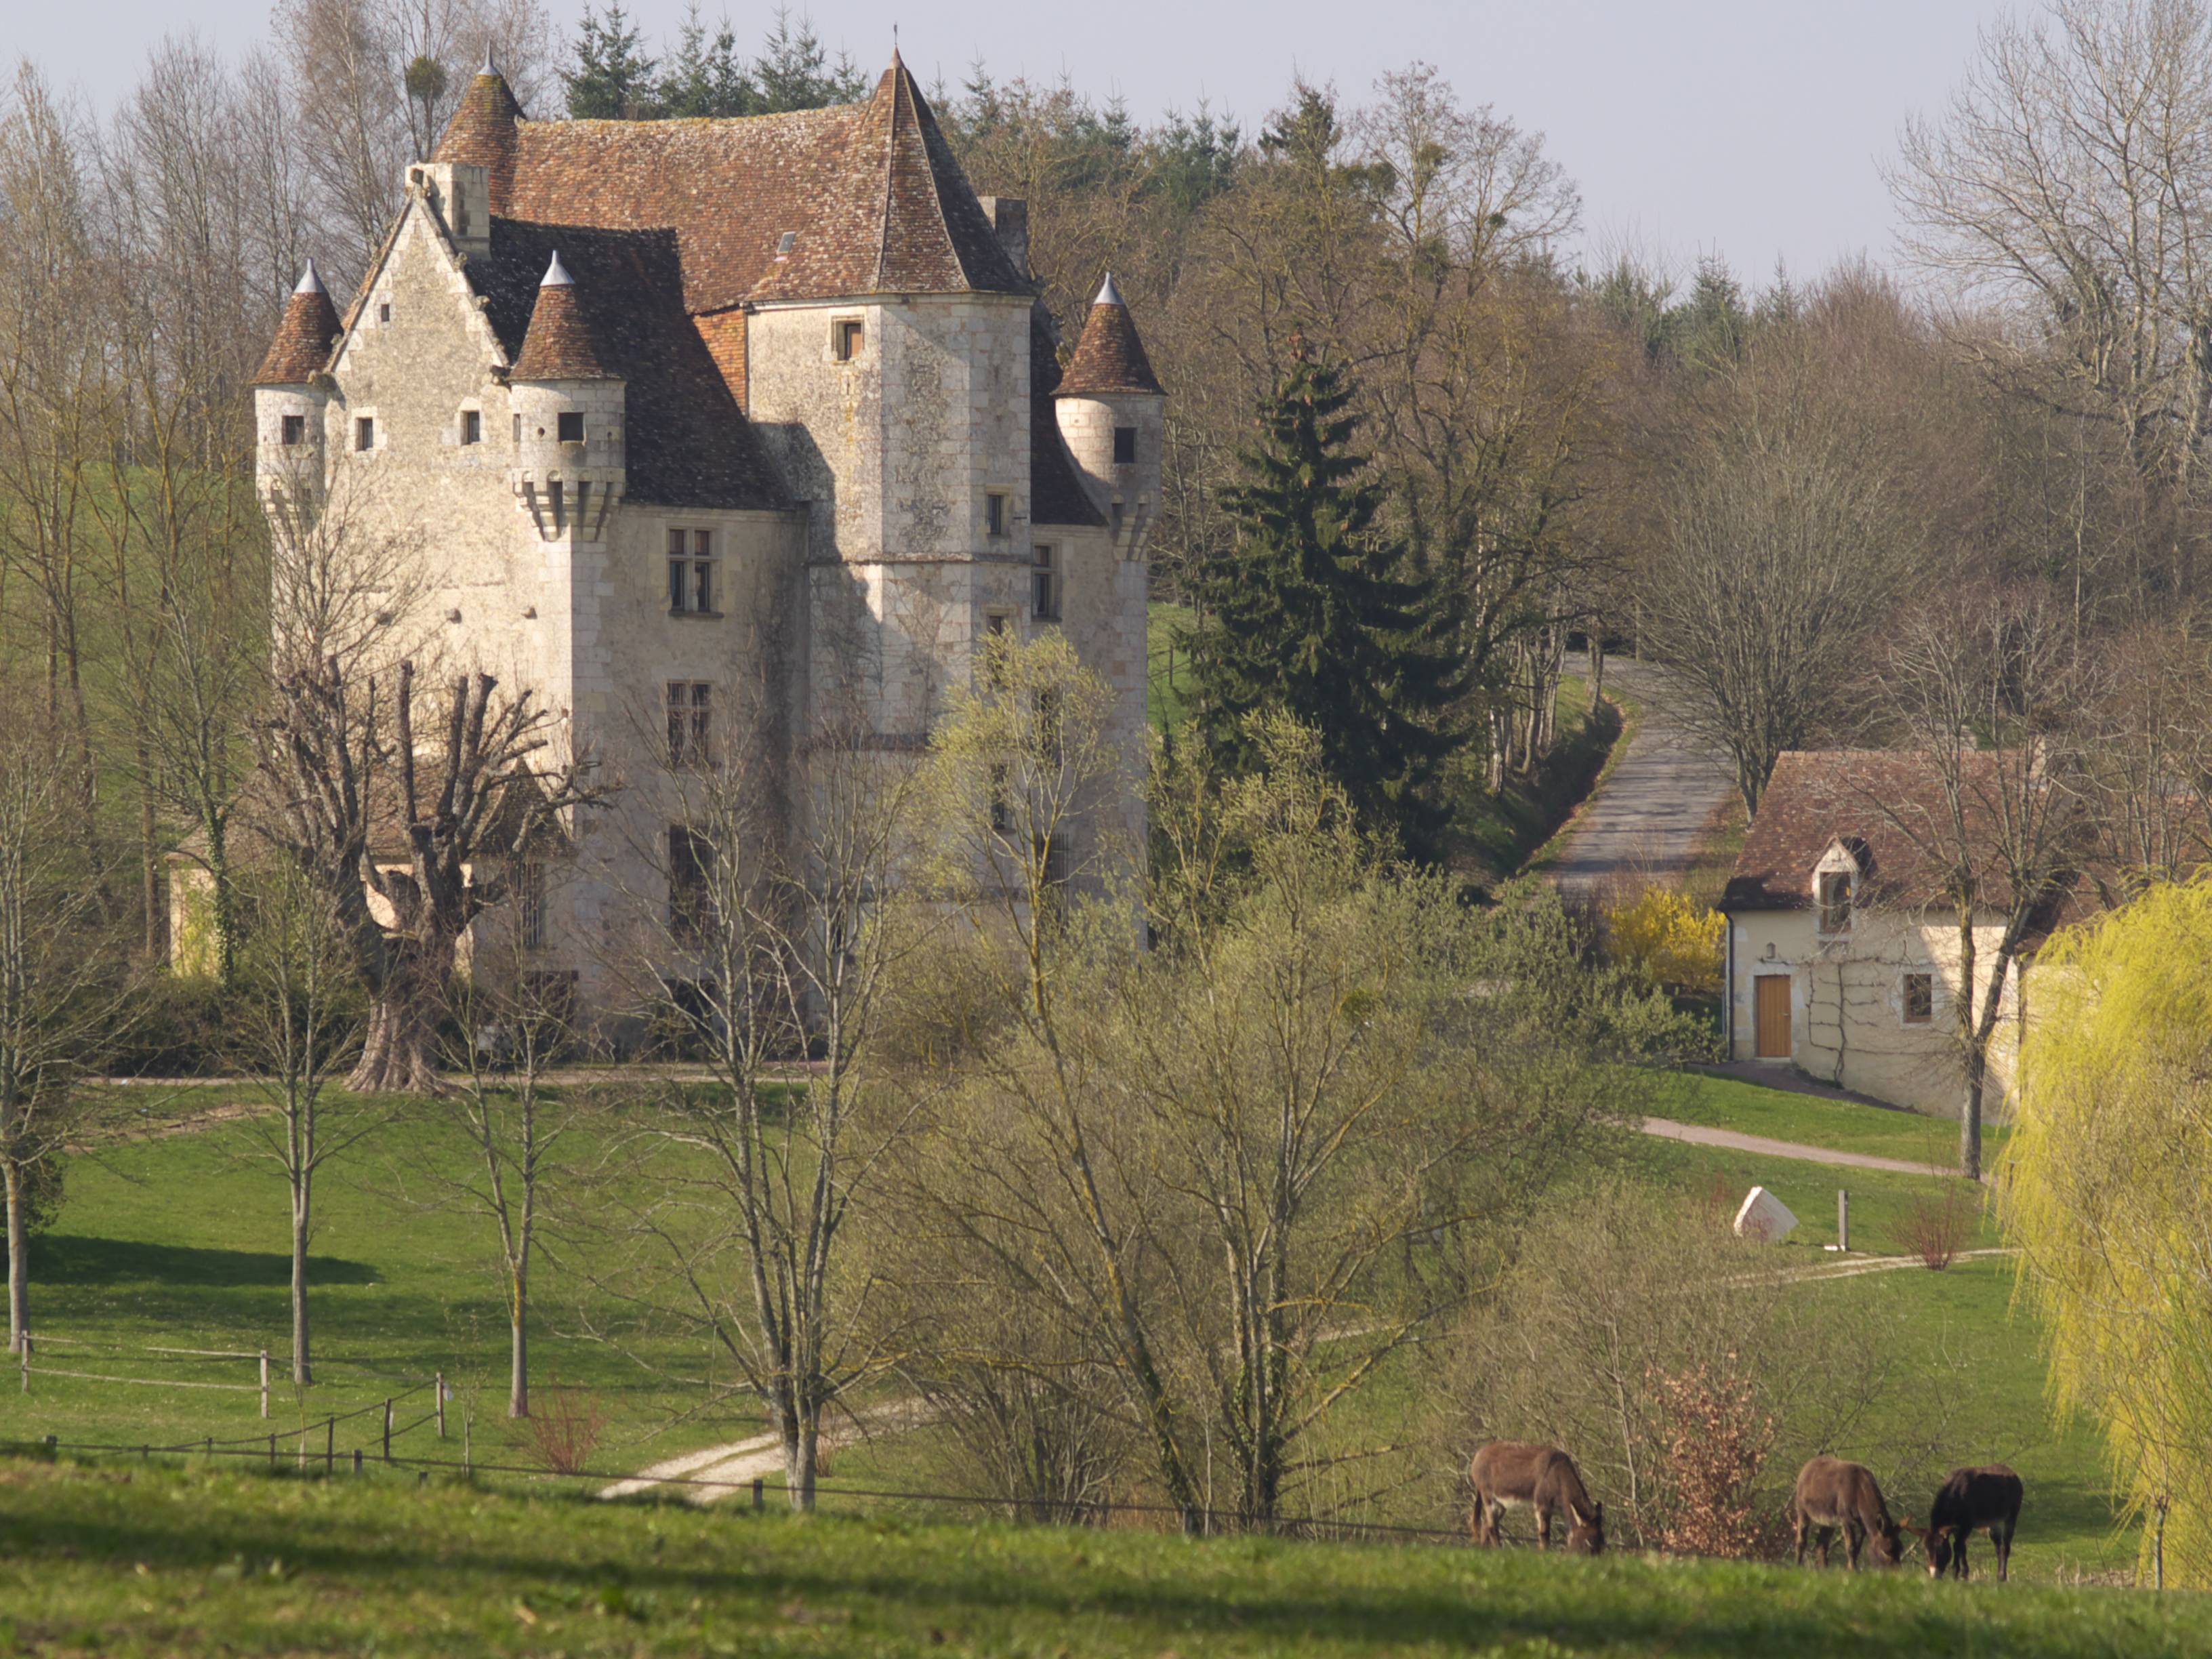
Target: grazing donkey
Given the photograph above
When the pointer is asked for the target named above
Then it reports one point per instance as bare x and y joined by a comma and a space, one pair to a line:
1972, 1499
1545, 1480
1832, 1494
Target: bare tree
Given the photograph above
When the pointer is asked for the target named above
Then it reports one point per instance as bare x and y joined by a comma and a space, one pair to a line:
1991, 703
61, 995
1787, 534
782, 927
299, 1023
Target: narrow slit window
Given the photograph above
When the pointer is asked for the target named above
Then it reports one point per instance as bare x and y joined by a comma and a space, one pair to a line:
518, 431
472, 426
384, 313
1044, 579
364, 433
995, 513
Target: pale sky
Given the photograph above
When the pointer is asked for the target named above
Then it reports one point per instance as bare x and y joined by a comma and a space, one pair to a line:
1754, 129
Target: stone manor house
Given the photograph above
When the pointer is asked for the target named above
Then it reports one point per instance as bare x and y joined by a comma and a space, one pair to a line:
673, 417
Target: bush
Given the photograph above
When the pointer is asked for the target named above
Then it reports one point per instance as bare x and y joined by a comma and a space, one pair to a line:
1717, 1438
1935, 1229
46, 1200
563, 1428
1670, 936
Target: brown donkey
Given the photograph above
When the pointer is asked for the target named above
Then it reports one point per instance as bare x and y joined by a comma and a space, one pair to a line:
1832, 1494
1970, 1500
1545, 1480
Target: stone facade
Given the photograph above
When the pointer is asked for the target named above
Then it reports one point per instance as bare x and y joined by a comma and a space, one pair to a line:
538, 413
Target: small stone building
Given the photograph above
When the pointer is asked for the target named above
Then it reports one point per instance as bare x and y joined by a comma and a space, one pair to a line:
698, 427
1843, 949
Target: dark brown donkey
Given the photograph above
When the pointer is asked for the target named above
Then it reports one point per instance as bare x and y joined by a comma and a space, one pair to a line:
1545, 1480
1970, 1500
1834, 1495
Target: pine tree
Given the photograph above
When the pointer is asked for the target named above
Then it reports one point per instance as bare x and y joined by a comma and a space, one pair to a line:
613, 77
795, 71
1319, 613
704, 77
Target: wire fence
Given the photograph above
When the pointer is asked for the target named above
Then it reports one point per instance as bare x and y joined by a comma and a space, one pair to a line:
378, 1454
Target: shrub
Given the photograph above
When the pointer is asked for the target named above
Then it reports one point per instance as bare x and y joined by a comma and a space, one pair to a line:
563, 1429
1935, 1229
1667, 934
43, 1201
1714, 1438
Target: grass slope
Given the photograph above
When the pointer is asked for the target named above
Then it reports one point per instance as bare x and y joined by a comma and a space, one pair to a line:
1843, 1125
224, 1563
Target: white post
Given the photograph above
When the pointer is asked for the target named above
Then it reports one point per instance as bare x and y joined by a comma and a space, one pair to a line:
1843, 1220
264, 1383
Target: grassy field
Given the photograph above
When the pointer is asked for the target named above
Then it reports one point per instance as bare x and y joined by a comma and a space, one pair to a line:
229, 1563
182, 1242
1727, 1103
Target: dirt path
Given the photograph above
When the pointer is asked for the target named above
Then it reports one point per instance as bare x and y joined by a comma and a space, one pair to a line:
1647, 816
1699, 1135
727, 1471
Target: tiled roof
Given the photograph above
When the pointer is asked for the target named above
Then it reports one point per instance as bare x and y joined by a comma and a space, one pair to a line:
304, 334
558, 346
1056, 493
688, 443
484, 131
1110, 358
1889, 809
869, 192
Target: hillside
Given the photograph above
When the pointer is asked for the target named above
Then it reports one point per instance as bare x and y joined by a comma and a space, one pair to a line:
233, 1564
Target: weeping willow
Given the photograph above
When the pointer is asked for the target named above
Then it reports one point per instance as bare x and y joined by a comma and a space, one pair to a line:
2106, 1188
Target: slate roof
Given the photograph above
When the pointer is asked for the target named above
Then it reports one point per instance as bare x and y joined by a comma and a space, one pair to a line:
1057, 496
870, 193
558, 345
1108, 357
1889, 809
688, 442
304, 333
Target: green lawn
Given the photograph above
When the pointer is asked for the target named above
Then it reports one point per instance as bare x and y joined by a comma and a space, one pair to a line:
223, 1562
1167, 675
182, 1242
1726, 1102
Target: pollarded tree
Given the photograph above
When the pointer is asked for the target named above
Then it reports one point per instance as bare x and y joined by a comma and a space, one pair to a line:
1319, 614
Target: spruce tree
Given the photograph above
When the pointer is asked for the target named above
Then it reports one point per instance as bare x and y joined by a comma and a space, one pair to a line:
704, 75
612, 79
1319, 613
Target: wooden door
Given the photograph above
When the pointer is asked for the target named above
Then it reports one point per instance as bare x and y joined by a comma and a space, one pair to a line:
1770, 1004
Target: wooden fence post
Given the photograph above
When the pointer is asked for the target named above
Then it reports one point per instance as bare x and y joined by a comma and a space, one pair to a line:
387, 1430
356, 1460
272, 1451
759, 1499
441, 1386
264, 1384
329, 1445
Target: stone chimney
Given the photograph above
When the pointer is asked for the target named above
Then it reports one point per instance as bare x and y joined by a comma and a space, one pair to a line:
1010, 217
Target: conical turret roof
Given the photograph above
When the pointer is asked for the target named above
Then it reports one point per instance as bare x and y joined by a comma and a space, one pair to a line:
482, 131
304, 334
558, 346
1108, 357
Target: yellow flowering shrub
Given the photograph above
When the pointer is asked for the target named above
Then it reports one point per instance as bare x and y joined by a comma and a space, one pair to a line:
1670, 935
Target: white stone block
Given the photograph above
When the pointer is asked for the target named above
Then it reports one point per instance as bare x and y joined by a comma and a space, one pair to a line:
1764, 1219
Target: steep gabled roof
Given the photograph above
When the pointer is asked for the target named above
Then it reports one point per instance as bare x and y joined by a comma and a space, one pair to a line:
1108, 357
869, 193
304, 333
687, 443
558, 345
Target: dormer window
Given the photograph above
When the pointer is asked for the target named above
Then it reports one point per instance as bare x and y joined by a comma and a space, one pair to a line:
847, 335
572, 427
296, 431
1125, 446
1833, 893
